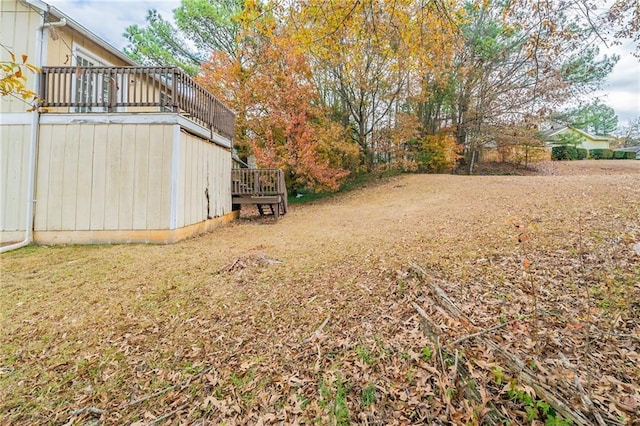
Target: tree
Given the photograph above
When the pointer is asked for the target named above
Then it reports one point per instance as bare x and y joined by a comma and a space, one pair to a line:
269, 83
595, 117
161, 44
516, 65
624, 17
630, 134
211, 25
368, 59
201, 27
352, 45
392, 74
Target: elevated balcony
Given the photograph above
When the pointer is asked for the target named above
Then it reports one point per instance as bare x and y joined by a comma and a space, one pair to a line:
133, 90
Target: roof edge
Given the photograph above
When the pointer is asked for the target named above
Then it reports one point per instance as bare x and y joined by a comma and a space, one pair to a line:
45, 7
582, 132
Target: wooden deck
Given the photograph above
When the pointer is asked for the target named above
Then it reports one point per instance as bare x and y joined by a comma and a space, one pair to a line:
264, 188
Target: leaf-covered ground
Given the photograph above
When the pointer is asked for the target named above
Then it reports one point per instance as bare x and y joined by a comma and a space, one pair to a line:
334, 314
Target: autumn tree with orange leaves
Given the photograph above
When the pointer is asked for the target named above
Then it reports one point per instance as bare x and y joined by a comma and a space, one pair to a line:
280, 120
327, 87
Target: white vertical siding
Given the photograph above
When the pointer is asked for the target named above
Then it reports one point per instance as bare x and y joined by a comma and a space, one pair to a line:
97, 202
54, 183
126, 179
71, 168
165, 178
86, 169
112, 178
42, 177
14, 177
103, 177
203, 167
141, 192
156, 180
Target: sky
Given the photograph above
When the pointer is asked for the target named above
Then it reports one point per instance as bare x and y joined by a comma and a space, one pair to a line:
109, 19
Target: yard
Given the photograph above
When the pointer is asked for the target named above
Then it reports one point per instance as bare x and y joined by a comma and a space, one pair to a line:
347, 310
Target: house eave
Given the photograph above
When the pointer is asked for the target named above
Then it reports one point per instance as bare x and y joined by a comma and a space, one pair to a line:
589, 136
73, 24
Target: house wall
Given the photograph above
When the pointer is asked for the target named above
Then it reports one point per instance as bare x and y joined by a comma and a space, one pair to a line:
18, 26
62, 41
122, 181
204, 170
100, 177
108, 178
585, 142
14, 176
591, 144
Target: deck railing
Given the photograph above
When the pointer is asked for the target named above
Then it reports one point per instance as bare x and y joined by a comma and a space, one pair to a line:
260, 186
257, 182
133, 89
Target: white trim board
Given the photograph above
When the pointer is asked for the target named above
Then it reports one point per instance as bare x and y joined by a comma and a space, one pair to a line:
136, 118
175, 178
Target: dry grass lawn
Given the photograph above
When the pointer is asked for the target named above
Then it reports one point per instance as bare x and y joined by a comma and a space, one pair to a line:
313, 319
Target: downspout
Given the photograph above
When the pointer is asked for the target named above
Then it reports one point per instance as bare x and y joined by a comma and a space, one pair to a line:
33, 153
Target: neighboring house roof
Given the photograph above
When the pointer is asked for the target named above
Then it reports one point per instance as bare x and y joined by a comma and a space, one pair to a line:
554, 132
57, 13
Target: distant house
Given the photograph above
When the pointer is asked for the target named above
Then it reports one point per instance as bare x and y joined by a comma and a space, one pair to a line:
586, 140
117, 153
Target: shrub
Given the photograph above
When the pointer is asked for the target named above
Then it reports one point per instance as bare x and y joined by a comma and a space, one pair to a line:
564, 152
601, 154
624, 155
582, 153
431, 154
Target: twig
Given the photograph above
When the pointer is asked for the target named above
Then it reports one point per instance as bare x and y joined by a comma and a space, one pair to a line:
90, 410
165, 390
513, 363
166, 416
444, 299
587, 401
430, 329
435, 338
230, 267
151, 396
455, 368
583, 394
318, 333
482, 332
517, 366
493, 417
439, 348
75, 413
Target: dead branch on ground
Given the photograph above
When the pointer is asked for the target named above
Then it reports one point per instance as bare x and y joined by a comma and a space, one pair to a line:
513, 363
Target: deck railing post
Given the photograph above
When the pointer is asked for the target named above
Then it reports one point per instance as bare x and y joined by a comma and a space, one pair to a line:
43, 86
174, 89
